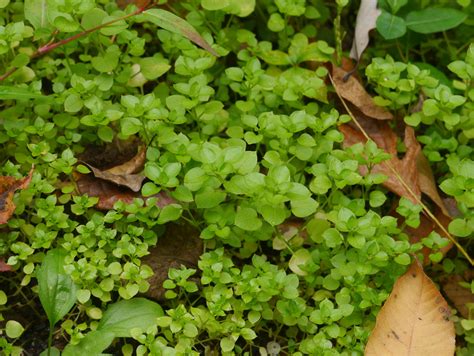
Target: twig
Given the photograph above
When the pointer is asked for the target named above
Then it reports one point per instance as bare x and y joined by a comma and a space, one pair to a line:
400, 179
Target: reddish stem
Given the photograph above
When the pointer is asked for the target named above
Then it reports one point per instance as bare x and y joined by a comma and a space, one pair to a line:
51, 46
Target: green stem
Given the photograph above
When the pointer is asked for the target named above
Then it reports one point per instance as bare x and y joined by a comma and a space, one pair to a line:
50, 338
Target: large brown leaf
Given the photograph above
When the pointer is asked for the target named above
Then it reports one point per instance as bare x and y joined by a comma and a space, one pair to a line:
353, 91
415, 320
8, 186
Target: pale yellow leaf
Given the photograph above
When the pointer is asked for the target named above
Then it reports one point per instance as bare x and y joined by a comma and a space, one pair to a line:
414, 321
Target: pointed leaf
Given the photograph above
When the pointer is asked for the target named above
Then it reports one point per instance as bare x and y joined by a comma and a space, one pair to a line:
57, 291
175, 24
432, 19
92, 344
415, 320
14, 93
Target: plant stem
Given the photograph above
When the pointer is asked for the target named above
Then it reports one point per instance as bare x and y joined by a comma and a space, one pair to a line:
50, 338
51, 46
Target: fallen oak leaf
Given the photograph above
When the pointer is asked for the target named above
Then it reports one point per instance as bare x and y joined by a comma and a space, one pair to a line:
8, 186
365, 22
414, 320
124, 174
353, 91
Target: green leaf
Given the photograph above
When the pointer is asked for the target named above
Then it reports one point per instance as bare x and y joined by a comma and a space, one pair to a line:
13, 329
303, 207
36, 12
227, 344
391, 26
8, 93
376, 199
175, 24
395, 5
125, 315
92, 344
431, 19
170, 213
209, 199
246, 219
57, 291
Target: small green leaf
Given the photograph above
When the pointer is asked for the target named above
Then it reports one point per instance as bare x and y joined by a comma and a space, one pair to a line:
209, 199
434, 19
376, 199
57, 291
391, 26
170, 213
246, 219
175, 24
227, 344
13, 329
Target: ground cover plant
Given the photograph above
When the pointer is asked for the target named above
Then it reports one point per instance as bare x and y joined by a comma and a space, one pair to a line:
252, 177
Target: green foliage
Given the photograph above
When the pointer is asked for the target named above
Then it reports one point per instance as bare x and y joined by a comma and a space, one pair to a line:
300, 248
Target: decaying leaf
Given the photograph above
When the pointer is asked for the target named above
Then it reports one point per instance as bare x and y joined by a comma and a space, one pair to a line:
427, 182
180, 245
366, 21
126, 173
415, 320
109, 193
385, 138
353, 91
460, 296
8, 186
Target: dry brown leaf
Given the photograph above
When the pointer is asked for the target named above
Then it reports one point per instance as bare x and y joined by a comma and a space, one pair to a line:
415, 320
109, 193
385, 138
459, 295
180, 245
126, 173
353, 91
8, 186
427, 182
366, 21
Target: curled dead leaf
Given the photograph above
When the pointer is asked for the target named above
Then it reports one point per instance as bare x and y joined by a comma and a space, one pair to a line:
365, 22
415, 319
353, 91
126, 173
8, 186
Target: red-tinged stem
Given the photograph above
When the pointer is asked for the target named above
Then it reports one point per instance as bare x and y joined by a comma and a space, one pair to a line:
51, 46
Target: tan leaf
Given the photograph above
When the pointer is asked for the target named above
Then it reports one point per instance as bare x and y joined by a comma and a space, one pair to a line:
4, 267
353, 91
459, 295
8, 186
366, 21
415, 320
385, 138
124, 174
